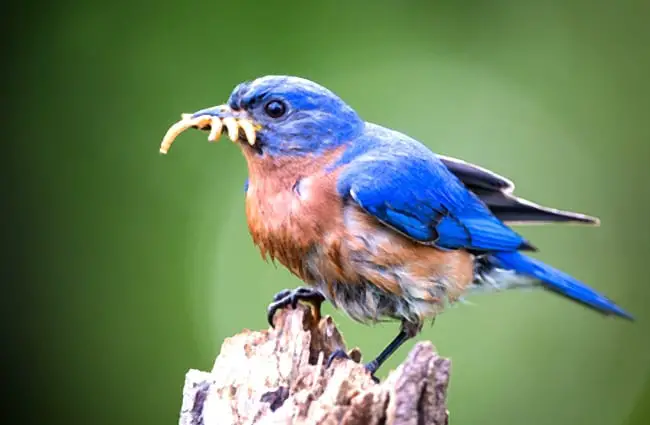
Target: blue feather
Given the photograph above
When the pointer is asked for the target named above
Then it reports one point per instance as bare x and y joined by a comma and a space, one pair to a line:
558, 281
407, 187
484, 233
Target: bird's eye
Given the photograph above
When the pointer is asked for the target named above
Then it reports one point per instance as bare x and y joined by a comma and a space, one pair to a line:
275, 109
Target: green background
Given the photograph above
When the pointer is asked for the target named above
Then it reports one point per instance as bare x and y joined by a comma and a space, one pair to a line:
137, 265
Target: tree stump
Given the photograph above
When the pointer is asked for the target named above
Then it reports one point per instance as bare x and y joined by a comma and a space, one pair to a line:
278, 376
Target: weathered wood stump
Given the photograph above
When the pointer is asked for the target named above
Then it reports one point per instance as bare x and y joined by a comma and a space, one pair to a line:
278, 376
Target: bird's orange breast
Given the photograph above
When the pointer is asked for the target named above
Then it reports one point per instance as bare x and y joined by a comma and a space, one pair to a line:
291, 205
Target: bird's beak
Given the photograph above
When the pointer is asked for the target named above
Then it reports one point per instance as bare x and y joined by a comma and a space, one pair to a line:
236, 123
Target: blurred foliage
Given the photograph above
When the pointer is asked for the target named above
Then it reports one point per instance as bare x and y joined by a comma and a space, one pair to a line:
139, 265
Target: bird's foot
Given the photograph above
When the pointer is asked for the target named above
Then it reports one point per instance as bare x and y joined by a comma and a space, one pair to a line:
372, 368
340, 354
291, 297
336, 354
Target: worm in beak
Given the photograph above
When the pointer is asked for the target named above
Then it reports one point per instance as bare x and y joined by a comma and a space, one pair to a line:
216, 120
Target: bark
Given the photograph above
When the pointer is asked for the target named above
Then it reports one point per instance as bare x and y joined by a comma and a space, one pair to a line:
278, 376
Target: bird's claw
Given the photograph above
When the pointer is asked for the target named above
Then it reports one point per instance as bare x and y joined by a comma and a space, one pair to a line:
336, 354
340, 354
372, 368
282, 294
287, 297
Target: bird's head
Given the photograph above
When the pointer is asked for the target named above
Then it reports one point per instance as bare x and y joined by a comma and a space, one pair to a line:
276, 115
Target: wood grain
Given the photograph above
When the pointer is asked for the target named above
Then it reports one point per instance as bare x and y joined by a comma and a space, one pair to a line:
277, 376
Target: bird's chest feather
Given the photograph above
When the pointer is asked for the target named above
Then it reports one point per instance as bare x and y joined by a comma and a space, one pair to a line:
296, 216
291, 207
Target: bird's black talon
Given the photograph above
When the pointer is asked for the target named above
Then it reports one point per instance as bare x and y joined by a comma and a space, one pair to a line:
270, 312
278, 305
280, 300
336, 354
286, 298
282, 294
372, 368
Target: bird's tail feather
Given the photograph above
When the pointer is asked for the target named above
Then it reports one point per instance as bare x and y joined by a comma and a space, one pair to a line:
554, 280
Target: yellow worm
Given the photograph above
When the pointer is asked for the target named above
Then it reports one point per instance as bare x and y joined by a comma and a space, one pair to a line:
179, 127
216, 127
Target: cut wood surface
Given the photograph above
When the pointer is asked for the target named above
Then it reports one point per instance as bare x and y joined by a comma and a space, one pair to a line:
278, 376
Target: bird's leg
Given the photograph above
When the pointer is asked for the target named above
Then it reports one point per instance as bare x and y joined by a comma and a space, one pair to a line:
393, 346
291, 297
407, 331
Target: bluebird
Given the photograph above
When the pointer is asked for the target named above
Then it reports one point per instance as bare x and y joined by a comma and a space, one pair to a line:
370, 219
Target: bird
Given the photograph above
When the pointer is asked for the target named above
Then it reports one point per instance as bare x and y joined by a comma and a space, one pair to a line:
371, 219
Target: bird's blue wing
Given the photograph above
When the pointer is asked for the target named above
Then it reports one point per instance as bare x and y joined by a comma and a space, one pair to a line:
415, 194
